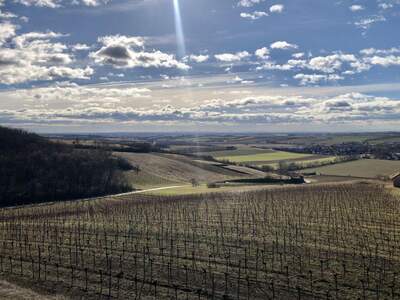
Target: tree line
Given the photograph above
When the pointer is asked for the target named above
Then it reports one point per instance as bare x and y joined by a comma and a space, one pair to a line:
34, 169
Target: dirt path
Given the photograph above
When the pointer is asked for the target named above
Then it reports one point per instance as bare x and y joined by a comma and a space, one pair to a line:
9, 291
148, 190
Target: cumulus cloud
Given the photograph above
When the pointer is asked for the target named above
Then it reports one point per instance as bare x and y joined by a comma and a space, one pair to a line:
255, 15
337, 64
276, 109
74, 93
93, 2
277, 8
128, 52
283, 45
40, 3
356, 7
61, 3
80, 47
306, 79
249, 3
330, 63
291, 64
262, 53
385, 61
373, 51
7, 30
35, 56
298, 55
232, 57
385, 6
197, 58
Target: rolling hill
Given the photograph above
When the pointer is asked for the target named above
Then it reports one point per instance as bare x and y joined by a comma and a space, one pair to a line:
157, 169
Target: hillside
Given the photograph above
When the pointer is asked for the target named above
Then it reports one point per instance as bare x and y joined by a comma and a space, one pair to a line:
158, 169
34, 169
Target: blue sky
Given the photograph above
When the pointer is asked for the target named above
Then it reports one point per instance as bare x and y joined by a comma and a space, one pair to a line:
226, 65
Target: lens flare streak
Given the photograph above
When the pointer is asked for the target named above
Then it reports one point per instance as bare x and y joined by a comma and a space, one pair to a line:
180, 37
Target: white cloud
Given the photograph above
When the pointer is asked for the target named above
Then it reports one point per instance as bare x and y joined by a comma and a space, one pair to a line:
40, 3
254, 15
80, 47
262, 53
67, 72
237, 79
249, 3
283, 45
330, 63
385, 5
337, 63
94, 2
229, 57
7, 30
61, 3
74, 93
366, 23
35, 56
198, 58
128, 52
356, 7
106, 104
373, 51
298, 55
270, 65
277, 8
306, 79
131, 41
385, 61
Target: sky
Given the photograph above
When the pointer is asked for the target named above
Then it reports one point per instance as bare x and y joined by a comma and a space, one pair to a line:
200, 65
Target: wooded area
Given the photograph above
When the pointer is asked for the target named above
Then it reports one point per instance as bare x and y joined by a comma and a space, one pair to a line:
33, 169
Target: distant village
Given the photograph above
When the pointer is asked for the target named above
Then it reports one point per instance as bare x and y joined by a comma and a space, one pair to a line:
388, 151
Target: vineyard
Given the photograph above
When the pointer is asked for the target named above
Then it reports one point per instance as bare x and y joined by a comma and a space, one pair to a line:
317, 242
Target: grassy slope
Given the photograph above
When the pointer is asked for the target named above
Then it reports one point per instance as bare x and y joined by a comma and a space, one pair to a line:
168, 169
368, 168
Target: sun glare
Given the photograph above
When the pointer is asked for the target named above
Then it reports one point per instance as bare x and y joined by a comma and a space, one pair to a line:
180, 37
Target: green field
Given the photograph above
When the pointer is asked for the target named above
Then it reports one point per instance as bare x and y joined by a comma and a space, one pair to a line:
366, 168
264, 157
237, 152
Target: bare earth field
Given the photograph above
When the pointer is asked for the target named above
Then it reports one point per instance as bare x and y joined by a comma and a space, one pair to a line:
365, 168
259, 157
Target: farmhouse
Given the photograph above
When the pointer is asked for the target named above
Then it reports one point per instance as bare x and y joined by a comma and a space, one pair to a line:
396, 179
